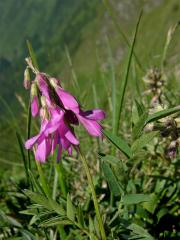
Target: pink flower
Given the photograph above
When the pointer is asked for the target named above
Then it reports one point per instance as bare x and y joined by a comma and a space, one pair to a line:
88, 119
59, 112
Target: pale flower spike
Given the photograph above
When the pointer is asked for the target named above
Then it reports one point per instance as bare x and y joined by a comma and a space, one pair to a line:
58, 111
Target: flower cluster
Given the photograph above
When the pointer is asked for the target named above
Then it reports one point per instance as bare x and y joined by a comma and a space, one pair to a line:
58, 111
156, 80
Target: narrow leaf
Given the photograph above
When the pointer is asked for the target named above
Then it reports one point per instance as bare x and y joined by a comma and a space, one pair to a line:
119, 143
21, 147
45, 202
126, 76
70, 209
143, 141
135, 198
55, 221
111, 179
138, 127
140, 231
161, 114
32, 55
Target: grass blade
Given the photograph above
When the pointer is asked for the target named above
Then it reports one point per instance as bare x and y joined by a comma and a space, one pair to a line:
113, 86
32, 55
161, 114
124, 82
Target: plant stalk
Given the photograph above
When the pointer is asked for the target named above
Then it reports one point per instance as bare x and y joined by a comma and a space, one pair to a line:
90, 181
43, 180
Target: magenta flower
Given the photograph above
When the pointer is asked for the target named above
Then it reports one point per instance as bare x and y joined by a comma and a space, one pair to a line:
59, 111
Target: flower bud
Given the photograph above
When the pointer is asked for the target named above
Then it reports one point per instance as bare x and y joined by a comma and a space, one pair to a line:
27, 79
54, 82
34, 91
43, 101
34, 100
44, 113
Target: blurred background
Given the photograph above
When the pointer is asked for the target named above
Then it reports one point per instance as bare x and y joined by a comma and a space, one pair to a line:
74, 36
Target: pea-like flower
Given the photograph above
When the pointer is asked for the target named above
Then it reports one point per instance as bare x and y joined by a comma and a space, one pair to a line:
58, 111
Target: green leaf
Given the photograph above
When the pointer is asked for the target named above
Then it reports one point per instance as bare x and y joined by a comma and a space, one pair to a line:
115, 162
70, 209
119, 143
21, 147
30, 211
45, 202
80, 216
35, 183
113, 86
138, 230
140, 108
161, 114
9, 220
143, 141
41, 215
151, 205
55, 221
26, 235
138, 127
126, 76
135, 198
161, 213
91, 225
32, 55
111, 160
114, 186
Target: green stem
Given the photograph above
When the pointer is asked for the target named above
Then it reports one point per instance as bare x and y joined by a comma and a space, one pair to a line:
43, 180
90, 181
60, 171
55, 185
29, 133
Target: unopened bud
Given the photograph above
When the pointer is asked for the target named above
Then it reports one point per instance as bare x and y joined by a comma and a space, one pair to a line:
54, 82
34, 91
27, 79
43, 101
44, 113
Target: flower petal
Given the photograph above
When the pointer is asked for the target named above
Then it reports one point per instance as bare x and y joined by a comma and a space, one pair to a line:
68, 101
41, 152
91, 126
95, 114
30, 142
70, 136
